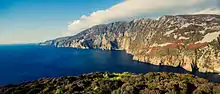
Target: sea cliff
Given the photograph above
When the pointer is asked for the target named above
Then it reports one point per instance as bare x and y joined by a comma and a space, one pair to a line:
188, 41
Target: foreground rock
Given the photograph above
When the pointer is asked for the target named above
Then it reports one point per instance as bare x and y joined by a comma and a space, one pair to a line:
116, 83
188, 41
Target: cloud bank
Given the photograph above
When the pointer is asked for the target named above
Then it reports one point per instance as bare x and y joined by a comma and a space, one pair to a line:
134, 8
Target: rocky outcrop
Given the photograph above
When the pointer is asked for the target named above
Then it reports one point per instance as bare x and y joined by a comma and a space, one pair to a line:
117, 83
188, 41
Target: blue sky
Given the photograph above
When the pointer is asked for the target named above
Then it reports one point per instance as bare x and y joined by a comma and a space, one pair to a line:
28, 21
32, 21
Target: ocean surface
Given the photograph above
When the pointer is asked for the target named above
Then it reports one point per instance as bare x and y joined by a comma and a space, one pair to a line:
19, 63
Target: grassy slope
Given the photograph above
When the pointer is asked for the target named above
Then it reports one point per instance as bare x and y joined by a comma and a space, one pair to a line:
117, 83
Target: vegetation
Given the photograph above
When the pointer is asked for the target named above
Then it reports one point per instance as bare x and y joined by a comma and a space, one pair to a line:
117, 83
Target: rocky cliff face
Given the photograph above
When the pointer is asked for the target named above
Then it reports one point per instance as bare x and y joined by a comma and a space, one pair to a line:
188, 41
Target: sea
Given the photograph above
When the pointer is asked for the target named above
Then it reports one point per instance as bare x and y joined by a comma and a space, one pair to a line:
26, 62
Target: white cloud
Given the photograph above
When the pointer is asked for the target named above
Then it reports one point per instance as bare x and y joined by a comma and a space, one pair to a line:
209, 11
132, 8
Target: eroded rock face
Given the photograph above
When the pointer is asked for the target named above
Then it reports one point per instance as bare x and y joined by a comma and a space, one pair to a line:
188, 41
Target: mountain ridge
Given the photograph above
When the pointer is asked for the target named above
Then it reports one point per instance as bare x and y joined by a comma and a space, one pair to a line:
188, 41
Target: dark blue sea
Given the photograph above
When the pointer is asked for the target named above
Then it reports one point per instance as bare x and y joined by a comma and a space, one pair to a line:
19, 63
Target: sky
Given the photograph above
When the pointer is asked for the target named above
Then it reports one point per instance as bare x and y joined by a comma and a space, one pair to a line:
33, 21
